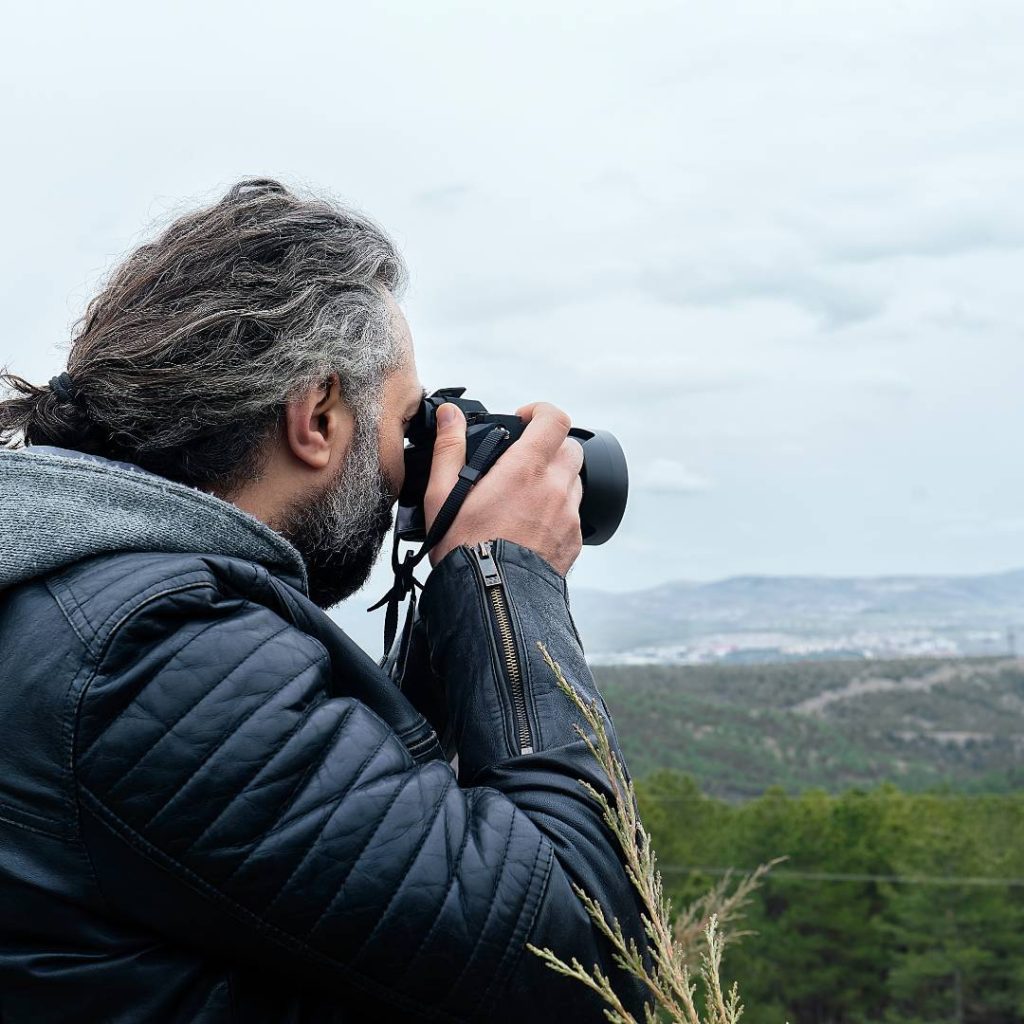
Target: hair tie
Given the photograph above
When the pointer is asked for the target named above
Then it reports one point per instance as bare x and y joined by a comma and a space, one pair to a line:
64, 387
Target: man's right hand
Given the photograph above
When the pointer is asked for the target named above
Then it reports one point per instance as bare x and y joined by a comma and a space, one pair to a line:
531, 496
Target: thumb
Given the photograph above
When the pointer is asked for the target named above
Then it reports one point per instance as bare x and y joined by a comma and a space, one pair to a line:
449, 457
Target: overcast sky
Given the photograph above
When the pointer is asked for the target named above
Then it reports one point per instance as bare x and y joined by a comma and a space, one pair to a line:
776, 247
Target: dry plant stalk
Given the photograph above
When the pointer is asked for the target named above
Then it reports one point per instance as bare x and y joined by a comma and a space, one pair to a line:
718, 902
668, 981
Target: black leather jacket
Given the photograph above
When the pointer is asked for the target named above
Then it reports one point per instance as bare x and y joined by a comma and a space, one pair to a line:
215, 807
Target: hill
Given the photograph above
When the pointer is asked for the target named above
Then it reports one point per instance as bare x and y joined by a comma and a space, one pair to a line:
738, 729
758, 618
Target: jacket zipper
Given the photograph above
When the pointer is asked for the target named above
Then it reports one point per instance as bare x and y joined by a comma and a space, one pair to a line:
508, 652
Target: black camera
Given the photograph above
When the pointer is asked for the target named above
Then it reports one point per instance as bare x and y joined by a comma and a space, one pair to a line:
604, 473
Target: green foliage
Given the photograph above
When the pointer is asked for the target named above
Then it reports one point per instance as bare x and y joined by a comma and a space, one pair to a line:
891, 906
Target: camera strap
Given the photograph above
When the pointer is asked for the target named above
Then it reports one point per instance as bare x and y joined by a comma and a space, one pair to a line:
406, 583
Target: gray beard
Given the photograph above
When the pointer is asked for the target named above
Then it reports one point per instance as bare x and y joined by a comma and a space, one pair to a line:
340, 533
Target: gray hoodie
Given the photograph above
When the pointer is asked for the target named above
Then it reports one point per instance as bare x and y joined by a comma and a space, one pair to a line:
59, 506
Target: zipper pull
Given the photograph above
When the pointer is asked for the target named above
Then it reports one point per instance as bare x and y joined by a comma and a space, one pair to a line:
488, 566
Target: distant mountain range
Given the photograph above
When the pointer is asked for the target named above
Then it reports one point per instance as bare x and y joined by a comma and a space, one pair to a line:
770, 618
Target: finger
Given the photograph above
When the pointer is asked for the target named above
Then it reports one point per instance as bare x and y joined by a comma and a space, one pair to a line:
449, 452
525, 412
577, 492
546, 429
570, 454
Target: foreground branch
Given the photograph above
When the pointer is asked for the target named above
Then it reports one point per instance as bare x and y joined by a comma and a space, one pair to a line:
698, 930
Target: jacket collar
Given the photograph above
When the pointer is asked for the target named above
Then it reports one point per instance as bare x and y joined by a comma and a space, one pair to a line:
59, 506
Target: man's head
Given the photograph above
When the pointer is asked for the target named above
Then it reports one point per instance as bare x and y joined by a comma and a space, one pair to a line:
333, 470
254, 350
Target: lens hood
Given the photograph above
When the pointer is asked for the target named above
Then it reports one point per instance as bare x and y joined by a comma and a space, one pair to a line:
605, 484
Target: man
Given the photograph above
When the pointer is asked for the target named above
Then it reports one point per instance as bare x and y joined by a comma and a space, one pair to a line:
213, 806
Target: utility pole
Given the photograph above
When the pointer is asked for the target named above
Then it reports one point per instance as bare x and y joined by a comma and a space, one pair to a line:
1011, 641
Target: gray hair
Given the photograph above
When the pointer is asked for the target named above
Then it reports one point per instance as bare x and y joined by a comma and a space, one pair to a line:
185, 361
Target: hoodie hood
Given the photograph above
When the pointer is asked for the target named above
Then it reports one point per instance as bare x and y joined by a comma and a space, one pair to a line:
58, 507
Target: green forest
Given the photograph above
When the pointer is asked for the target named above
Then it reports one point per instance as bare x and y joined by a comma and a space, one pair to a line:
889, 907
892, 790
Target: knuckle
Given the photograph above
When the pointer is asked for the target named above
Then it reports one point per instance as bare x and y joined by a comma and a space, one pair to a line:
559, 419
557, 422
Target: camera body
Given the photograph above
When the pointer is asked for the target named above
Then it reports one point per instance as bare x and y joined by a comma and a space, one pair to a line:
604, 473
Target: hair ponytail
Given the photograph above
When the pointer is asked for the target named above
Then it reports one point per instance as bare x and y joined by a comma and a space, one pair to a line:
38, 415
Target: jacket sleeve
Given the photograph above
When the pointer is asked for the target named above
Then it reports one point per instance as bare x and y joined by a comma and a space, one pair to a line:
228, 802
532, 755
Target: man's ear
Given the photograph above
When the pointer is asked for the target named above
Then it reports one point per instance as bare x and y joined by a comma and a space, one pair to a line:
318, 424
